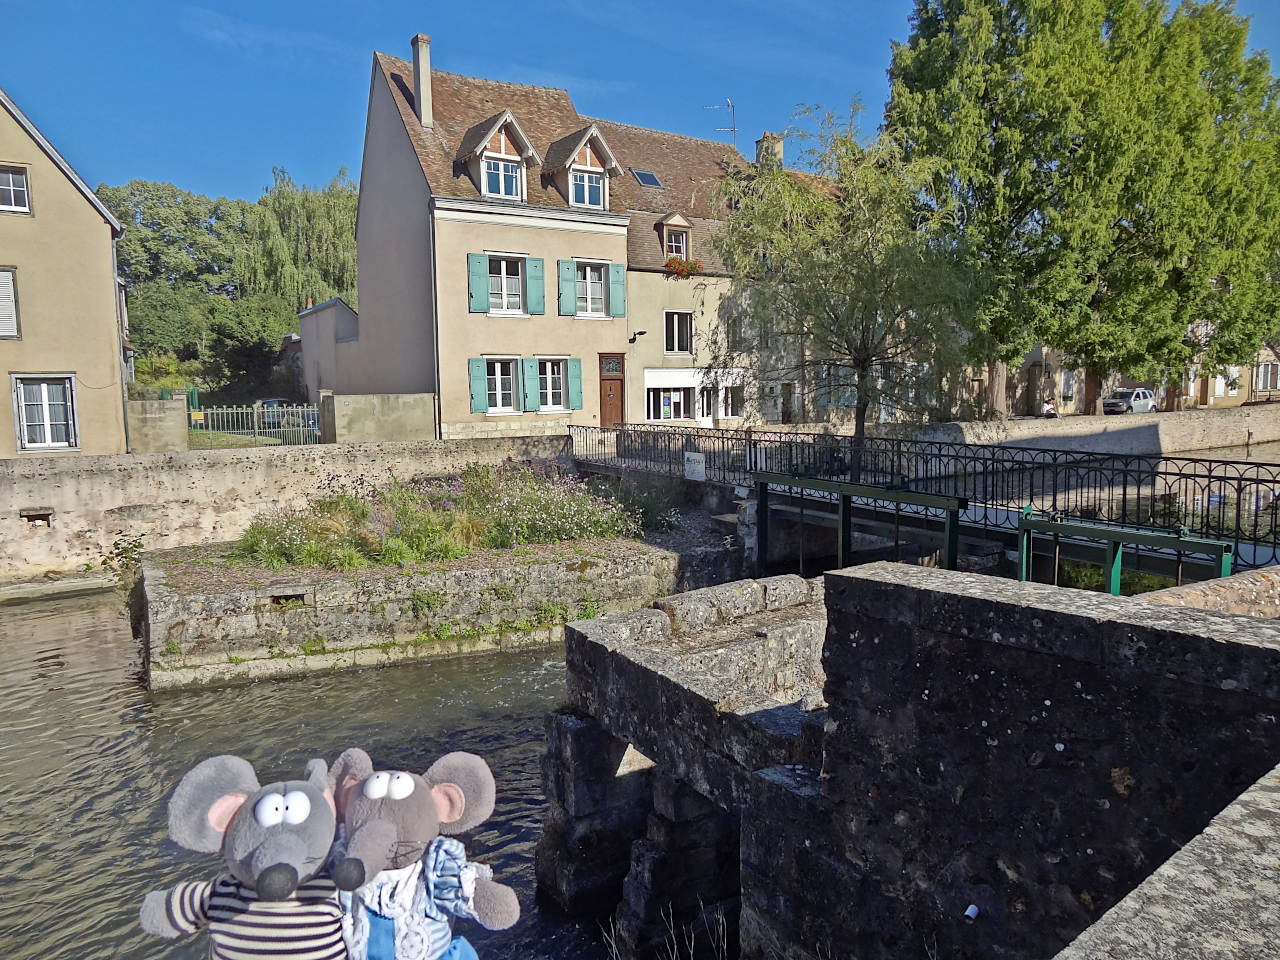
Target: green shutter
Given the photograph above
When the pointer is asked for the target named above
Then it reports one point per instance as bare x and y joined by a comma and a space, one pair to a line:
568, 288
529, 383
478, 282
479, 385
617, 289
575, 383
535, 285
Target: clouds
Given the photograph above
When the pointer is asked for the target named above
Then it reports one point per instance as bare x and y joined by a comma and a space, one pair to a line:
259, 38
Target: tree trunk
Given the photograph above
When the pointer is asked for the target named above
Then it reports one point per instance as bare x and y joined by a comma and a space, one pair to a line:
997, 398
859, 435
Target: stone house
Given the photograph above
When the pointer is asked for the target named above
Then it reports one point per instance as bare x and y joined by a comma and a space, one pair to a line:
63, 326
513, 262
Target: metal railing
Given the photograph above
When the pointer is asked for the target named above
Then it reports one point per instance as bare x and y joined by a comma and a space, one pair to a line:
255, 426
1232, 500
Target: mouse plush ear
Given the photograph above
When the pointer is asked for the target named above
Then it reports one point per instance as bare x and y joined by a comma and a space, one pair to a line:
350, 770
463, 788
206, 799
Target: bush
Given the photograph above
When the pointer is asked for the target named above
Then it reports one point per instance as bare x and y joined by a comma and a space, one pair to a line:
430, 521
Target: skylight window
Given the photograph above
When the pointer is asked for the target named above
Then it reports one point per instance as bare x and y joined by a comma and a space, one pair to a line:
646, 178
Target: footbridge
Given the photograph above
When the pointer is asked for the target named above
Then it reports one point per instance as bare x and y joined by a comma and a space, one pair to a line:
1231, 501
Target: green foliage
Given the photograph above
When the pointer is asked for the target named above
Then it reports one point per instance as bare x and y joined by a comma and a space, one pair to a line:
655, 506
1086, 576
550, 613
423, 602
503, 592
406, 525
313, 645
842, 285
1112, 171
588, 609
215, 283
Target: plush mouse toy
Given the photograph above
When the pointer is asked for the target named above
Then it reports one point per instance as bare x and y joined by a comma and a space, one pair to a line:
407, 881
273, 899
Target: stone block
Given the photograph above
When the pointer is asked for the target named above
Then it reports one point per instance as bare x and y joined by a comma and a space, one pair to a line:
700, 609
677, 801
784, 591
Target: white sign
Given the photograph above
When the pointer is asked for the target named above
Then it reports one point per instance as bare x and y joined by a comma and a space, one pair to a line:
695, 466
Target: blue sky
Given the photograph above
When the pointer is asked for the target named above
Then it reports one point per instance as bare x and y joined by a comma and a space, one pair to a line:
211, 96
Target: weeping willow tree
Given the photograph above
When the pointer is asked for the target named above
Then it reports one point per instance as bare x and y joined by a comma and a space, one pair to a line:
299, 242
842, 285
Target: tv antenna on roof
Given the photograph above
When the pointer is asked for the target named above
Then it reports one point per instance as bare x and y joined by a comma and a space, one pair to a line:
732, 128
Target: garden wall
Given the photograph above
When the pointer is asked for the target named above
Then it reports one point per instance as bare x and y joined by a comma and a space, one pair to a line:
198, 631
200, 496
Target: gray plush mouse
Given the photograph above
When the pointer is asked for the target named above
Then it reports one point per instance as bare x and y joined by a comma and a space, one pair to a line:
274, 841
408, 882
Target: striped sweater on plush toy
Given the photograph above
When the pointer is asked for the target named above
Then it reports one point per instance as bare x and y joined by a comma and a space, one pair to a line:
242, 927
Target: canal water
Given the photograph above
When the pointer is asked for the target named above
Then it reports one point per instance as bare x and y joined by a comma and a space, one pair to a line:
88, 757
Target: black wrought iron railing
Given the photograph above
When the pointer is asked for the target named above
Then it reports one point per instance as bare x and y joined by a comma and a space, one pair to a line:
1233, 500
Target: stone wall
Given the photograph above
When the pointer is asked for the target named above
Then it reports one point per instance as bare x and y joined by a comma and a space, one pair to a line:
1033, 751
335, 620
708, 687
157, 426
1137, 433
1255, 593
373, 417
200, 496
1214, 898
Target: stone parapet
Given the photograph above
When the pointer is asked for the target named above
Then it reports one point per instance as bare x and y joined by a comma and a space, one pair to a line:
1029, 750
1255, 593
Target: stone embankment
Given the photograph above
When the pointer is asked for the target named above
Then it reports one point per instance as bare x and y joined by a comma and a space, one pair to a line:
199, 629
62, 513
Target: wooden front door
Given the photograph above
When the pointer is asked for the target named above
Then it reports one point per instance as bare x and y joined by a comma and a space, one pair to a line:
613, 407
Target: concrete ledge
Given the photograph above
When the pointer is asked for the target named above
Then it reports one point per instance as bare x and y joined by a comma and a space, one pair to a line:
34, 590
1218, 898
1255, 593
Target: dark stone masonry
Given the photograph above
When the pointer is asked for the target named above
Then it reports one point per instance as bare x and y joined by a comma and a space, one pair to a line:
848, 779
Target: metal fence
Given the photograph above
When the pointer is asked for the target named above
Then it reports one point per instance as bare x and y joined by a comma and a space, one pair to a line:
256, 426
1231, 500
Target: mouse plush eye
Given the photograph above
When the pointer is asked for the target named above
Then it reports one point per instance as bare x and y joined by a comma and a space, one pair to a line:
375, 788
297, 807
400, 787
269, 811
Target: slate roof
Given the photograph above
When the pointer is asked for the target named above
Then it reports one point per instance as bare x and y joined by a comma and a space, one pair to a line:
464, 107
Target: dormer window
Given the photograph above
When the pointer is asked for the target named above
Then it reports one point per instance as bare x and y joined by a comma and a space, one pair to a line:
676, 233
503, 178
497, 154
678, 243
580, 164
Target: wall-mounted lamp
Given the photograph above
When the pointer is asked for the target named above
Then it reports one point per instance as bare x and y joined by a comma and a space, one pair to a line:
635, 336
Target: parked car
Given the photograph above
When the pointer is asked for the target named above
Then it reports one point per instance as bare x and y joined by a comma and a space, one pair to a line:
270, 412
1139, 400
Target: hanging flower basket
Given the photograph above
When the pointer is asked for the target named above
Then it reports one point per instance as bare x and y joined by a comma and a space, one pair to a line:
680, 267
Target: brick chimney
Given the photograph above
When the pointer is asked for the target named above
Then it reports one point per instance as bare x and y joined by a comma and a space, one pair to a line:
769, 149
422, 79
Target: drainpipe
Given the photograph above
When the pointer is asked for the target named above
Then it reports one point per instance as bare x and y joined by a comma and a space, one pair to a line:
435, 309
124, 387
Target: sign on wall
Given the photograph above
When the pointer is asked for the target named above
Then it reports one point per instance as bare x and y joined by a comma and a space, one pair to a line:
695, 466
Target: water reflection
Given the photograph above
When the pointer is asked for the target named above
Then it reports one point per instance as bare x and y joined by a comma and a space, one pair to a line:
88, 757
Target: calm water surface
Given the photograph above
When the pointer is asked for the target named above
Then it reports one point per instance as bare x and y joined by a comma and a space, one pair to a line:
87, 759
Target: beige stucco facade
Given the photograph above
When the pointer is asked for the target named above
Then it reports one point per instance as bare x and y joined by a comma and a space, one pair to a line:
61, 254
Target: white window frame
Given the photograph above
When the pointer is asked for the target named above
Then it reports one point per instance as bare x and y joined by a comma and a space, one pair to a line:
585, 171
20, 416
687, 400
502, 158
516, 398
7, 170
523, 309
1268, 376
563, 360
668, 329
683, 251
579, 264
